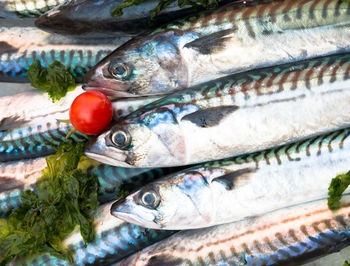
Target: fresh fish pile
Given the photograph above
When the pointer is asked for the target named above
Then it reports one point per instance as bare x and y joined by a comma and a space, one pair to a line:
226, 191
284, 237
114, 240
26, 8
265, 81
233, 115
30, 126
234, 38
20, 46
78, 17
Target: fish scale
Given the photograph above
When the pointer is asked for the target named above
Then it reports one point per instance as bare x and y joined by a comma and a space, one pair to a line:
285, 237
233, 189
237, 114
20, 46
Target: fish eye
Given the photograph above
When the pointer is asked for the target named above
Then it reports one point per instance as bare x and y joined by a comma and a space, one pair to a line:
119, 70
121, 139
150, 199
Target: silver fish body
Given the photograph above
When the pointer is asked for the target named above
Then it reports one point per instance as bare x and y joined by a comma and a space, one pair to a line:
289, 236
20, 46
26, 8
114, 240
234, 115
231, 190
234, 38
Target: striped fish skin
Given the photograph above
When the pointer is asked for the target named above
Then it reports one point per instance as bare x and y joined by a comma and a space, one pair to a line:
77, 17
20, 46
233, 115
231, 39
114, 240
26, 8
29, 127
230, 190
288, 236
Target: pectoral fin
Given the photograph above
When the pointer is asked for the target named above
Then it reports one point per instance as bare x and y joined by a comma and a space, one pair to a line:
210, 43
211, 116
236, 178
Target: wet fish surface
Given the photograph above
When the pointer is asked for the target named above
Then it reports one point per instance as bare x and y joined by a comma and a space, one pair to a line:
234, 38
288, 236
233, 115
20, 46
26, 8
114, 240
231, 190
78, 17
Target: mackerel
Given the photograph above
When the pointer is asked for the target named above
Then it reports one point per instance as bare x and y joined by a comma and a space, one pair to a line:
114, 240
234, 38
231, 190
233, 115
20, 46
288, 236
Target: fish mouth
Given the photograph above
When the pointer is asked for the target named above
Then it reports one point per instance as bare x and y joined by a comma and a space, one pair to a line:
107, 160
120, 210
109, 91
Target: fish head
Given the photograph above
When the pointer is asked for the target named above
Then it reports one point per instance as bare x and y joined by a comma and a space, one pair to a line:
140, 67
145, 142
175, 202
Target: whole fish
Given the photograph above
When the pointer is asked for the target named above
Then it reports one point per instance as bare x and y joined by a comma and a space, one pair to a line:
17, 176
230, 190
233, 115
30, 126
26, 8
20, 46
234, 38
114, 240
78, 17
289, 236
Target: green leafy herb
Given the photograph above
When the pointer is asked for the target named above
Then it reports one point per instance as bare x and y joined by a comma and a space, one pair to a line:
65, 198
336, 189
55, 79
118, 10
346, 263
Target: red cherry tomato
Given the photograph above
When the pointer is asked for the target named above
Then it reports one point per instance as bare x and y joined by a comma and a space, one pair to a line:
91, 112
